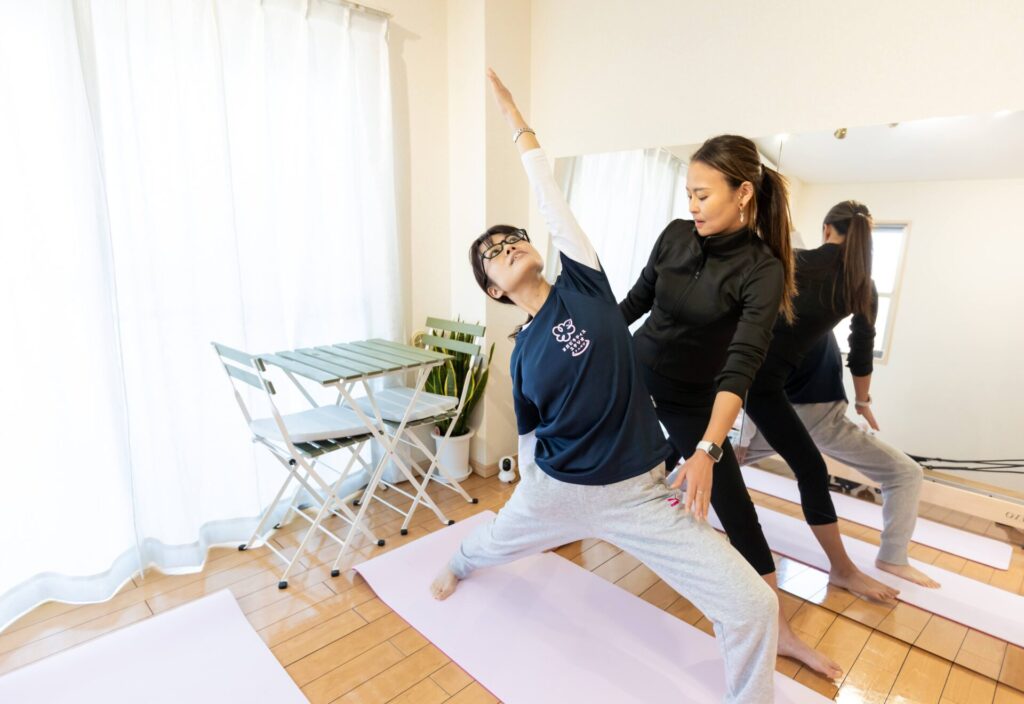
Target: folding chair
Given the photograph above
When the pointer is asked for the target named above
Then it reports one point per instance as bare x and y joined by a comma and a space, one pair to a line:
428, 409
299, 441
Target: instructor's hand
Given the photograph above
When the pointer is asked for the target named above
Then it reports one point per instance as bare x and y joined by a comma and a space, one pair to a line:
505, 102
697, 471
868, 415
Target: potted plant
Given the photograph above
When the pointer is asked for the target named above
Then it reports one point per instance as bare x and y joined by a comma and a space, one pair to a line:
449, 380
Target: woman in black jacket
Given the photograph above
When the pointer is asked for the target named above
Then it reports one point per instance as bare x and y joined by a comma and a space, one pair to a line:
833, 281
714, 288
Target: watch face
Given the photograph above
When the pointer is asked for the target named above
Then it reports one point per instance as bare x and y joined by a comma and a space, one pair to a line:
716, 453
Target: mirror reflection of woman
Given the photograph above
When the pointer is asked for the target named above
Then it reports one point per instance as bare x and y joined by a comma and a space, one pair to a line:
714, 288
834, 281
592, 456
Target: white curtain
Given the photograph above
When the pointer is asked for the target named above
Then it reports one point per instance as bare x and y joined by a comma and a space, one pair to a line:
172, 172
623, 200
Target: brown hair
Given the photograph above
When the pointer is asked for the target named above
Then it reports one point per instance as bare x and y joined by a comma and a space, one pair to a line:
768, 211
477, 262
852, 220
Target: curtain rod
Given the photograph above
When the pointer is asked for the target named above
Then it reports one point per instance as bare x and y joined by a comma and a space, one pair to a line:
362, 8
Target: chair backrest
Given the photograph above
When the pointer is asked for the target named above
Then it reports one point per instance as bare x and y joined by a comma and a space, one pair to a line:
455, 328
464, 338
238, 364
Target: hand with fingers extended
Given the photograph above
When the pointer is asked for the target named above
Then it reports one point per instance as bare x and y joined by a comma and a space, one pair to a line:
698, 472
506, 104
867, 414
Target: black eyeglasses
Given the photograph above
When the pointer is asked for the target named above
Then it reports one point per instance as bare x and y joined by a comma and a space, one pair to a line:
497, 248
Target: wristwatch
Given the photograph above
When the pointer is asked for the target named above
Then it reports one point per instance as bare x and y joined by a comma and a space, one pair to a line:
713, 451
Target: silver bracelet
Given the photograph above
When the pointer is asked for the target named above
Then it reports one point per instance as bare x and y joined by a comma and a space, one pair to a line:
863, 404
519, 133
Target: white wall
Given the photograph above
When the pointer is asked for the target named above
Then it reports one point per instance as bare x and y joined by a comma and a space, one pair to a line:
418, 37
952, 385
611, 75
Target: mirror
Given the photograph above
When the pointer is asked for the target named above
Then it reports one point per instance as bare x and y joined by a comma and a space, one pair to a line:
948, 246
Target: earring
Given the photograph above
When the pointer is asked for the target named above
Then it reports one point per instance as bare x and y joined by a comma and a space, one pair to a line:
742, 216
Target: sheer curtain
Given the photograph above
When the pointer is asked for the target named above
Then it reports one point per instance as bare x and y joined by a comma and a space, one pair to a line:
623, 200
173, 172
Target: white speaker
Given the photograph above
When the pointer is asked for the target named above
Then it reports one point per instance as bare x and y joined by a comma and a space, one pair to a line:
507, 469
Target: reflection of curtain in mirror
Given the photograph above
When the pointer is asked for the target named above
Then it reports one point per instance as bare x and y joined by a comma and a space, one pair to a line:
623, 200
173, 172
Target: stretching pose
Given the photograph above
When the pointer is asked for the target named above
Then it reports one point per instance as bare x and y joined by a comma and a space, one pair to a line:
591, 451
800, 409
833, 281
714, 288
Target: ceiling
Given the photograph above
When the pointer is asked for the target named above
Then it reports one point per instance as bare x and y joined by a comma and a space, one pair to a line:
939, 149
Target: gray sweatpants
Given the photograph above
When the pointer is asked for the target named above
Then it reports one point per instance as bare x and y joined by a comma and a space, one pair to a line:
636, 516
898, 476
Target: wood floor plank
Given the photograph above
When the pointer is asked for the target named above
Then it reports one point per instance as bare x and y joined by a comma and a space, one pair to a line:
339, 680
942, 637
314, 615
982, 654
473, 694
875, 670
317, 663
843, 642
401, 676
452, 678
425, 692
905, 622
921, 679
966, 687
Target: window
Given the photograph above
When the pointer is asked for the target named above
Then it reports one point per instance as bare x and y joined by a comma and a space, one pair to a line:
890, 244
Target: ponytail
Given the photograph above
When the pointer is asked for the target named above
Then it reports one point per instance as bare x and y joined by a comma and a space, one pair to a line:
775, 227
852, 220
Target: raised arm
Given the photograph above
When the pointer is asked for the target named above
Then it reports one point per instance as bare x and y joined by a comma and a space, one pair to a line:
566, 234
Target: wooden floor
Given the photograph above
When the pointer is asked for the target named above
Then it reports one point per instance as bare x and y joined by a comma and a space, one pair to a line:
341, 644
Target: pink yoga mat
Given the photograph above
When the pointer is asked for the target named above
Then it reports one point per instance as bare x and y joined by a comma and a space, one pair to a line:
543, 630
204, 652
937, 535
979, 606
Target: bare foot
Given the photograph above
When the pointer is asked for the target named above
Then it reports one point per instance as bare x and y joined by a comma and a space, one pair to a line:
444, 584
858, 583
791, 646
911, 574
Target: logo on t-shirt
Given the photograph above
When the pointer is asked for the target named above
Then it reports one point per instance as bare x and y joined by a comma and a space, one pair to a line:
574, 343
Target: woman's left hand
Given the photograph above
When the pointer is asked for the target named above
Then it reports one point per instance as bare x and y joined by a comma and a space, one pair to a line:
868, 415
698, 471
506, 104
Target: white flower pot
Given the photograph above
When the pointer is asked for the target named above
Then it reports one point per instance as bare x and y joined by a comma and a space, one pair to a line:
453, 455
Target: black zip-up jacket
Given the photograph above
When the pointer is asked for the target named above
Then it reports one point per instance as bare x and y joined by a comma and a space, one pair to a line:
713, 302
820, 304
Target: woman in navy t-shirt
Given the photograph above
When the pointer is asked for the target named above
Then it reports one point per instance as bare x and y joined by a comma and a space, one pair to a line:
591, 452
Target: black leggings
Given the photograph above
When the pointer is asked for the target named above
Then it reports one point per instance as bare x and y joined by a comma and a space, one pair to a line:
685, 410
777, 421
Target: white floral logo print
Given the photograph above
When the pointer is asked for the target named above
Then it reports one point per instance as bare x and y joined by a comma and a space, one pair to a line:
564, 331
574, 343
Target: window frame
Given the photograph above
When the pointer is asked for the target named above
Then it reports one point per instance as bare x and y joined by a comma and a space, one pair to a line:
894, 297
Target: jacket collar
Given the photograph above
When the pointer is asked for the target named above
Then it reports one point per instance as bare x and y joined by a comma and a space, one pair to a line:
727, 242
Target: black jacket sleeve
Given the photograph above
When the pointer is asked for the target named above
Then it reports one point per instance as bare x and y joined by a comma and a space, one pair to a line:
861, 358
641, 297
761, 295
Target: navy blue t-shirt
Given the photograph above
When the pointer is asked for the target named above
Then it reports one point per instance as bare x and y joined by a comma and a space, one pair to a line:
819, 378
575, 382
